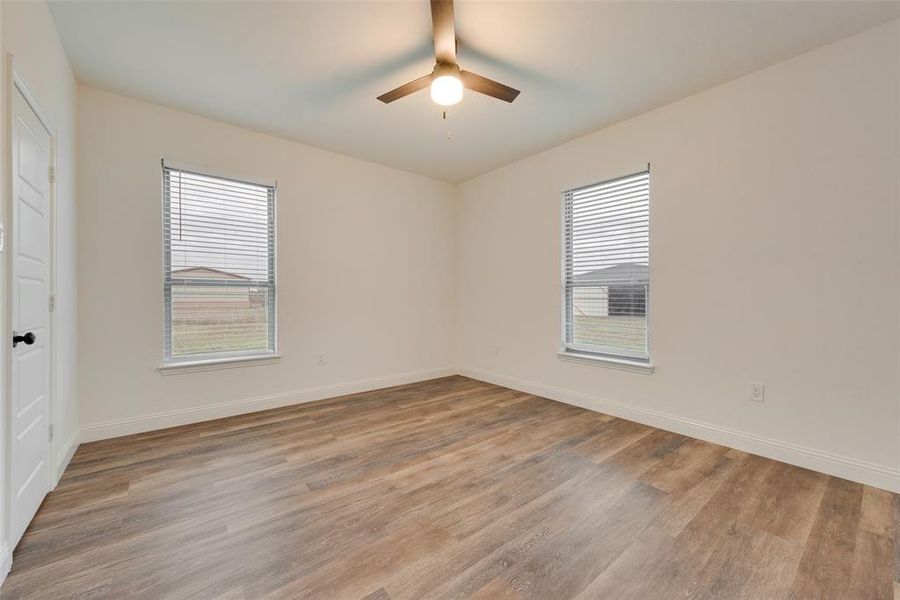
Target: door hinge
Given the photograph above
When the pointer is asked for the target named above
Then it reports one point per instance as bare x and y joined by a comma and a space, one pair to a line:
52, 302
52, 174
50, 433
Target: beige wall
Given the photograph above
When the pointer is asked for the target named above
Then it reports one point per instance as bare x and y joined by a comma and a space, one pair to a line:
775, 212
364, 254
30, 36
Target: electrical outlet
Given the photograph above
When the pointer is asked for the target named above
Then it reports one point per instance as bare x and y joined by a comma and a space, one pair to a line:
496, 350
757, 392
320, 359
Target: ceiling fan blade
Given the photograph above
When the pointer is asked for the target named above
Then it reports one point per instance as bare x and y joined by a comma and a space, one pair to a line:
406, 89
486, 86
444, 31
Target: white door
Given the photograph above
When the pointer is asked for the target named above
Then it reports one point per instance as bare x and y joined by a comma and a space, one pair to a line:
29, 235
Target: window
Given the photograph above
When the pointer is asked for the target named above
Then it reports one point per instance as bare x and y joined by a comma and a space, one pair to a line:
219, 265
607, 268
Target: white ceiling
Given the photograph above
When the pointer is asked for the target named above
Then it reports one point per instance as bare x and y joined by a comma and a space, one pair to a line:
310, 71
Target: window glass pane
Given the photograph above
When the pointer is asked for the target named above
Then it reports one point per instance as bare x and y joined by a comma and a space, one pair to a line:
611, 317
213, 319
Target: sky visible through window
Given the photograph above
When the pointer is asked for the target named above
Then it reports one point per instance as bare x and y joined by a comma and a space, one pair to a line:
219, 224
612, 231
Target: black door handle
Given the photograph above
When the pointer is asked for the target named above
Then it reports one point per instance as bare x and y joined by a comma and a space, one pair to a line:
28, 338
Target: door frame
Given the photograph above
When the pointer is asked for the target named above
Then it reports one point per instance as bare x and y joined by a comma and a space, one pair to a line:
13, 81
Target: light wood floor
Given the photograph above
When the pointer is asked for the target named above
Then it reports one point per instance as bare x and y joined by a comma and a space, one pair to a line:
447, 489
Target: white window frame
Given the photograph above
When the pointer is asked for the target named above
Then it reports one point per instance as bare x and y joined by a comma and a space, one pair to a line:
604, 355
217, 360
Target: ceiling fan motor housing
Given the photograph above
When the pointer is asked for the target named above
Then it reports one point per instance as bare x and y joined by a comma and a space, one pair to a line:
442, 69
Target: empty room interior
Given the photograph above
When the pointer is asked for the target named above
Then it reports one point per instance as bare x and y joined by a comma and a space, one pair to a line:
383, 300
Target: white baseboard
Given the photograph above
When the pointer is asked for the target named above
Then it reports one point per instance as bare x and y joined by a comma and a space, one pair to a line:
5, 562
208, 412
65, 456
876, 475
879, 476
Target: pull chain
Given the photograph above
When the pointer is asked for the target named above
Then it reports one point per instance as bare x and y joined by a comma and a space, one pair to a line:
449, 136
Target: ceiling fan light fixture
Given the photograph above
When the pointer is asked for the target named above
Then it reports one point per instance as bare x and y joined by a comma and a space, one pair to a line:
447, 80
446, 90
446, 87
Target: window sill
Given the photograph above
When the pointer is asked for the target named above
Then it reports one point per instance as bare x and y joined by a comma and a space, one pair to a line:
215, 364
635, 366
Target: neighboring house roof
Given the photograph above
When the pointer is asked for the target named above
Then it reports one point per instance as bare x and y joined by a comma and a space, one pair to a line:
624, 273
206, 273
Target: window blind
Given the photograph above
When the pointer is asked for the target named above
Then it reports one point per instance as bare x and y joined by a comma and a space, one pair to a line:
607, 267
219, 266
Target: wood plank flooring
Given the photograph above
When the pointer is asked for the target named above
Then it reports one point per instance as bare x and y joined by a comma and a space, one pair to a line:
450, 488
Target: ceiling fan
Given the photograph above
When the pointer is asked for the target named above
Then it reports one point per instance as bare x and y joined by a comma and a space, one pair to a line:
447, 80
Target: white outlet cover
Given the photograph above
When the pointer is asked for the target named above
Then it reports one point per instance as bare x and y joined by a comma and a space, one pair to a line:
757, 392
